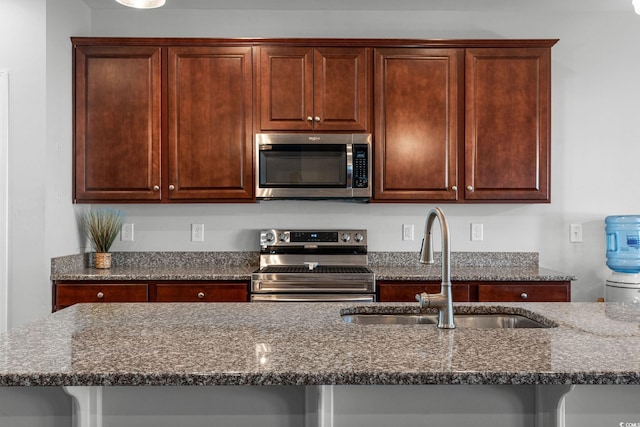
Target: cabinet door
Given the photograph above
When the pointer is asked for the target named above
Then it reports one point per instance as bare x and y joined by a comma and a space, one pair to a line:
341, 89
69, 294
507, 124
406, 291
307, 89
204, 292
210, 114
417, 101
524, 292
286, 88
117, 123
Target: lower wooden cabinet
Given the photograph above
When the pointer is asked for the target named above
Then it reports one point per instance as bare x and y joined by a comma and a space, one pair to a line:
524, 291
205, 292
66, 293
405, 291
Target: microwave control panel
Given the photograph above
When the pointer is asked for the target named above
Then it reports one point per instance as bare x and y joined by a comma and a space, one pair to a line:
360, 166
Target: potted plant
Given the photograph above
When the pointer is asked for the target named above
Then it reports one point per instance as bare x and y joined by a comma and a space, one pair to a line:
101, 227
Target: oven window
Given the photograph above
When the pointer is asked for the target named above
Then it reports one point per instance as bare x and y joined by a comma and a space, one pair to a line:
304, 166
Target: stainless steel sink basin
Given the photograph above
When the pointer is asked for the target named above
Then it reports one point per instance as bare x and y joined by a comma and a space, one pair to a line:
463, 320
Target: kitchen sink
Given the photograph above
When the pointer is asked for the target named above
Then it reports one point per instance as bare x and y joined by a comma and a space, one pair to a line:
462, 320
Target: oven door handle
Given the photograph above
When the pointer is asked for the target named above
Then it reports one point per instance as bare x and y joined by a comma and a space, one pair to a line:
311, 298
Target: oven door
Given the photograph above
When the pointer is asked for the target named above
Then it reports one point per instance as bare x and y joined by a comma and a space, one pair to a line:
313, 298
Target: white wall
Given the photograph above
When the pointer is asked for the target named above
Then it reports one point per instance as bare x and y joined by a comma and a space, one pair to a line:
35, 50
593, 148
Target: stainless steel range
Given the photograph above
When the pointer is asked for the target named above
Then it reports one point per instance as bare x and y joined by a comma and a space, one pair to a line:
313, 265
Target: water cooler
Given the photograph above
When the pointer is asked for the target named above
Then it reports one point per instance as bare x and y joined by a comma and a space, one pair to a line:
623, 257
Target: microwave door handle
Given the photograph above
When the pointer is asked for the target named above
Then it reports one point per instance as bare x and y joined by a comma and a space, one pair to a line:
349, 166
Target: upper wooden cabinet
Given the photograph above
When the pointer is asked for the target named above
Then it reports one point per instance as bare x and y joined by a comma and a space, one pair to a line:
314, 89
169, 120
117, 123
210, 115
507, 117
132, 147
417, 101
474, 115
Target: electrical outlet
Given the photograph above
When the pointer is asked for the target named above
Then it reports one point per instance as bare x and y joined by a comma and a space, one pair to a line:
407, 231
126, 233
197, 232
477, 232
575, 233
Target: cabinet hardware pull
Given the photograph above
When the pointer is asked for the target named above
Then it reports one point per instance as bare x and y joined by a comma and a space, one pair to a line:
200, 295
172, 187
469, 187
454, 188
317, 119
309, 118
100, 295
156, 188
524, 295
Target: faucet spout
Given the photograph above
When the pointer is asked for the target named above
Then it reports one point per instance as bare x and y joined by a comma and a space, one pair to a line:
443, 300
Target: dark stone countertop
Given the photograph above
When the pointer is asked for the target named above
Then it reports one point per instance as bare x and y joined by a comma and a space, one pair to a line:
309, 344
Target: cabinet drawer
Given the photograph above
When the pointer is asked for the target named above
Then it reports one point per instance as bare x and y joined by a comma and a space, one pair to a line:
69, 294
209, 292
406, 291
514, 292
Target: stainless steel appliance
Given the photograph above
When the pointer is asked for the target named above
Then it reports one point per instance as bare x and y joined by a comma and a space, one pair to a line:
313, 265
313, 166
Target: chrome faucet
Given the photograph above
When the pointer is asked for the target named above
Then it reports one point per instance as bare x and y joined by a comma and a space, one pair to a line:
443, 300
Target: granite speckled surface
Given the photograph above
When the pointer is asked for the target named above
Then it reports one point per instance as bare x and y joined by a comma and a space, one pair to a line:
304, 344
505, 266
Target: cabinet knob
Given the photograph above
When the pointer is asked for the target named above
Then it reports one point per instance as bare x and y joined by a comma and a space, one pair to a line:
172, 187
309, 118
317, 119
524, 295
156, 188
200, 295
454, 188
100, 295
469, 187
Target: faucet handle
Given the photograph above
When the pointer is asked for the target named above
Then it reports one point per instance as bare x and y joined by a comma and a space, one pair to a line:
423, 299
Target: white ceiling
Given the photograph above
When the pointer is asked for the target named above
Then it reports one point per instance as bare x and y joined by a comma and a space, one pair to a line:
435, 5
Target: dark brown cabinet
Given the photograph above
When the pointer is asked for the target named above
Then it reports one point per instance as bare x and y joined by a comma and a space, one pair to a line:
66, 293
525, 292
406, 291
507, 115
202, 292
478, 291
418, 122
463, 125
117, 114
314, 88
143, 135
210, 115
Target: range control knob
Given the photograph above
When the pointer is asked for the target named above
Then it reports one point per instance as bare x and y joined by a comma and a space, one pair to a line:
269, 237
346, 237
282, 237
358, 237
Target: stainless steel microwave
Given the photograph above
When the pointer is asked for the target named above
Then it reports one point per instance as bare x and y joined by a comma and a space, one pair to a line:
313, 166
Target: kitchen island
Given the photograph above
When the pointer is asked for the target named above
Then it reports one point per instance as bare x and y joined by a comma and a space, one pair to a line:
88, 348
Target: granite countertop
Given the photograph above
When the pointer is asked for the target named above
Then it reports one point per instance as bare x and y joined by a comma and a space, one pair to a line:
309, 343
516, 266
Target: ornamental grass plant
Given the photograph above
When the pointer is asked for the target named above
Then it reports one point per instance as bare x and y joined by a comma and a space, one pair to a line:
101, 226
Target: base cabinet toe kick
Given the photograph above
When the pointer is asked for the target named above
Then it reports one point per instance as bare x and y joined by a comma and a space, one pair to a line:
331, 405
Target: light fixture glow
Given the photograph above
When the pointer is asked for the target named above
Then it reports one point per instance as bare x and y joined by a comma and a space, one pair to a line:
142, 4
636, 6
